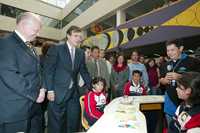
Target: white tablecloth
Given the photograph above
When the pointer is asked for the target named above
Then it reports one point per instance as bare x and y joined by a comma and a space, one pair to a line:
118, 117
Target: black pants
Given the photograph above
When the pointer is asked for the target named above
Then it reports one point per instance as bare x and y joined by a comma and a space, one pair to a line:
32, 125
35, 122
14, 127
65, 117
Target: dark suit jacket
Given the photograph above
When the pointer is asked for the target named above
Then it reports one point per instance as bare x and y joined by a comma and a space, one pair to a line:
59, 72
20, 79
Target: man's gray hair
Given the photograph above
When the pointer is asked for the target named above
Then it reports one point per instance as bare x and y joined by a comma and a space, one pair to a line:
26, 15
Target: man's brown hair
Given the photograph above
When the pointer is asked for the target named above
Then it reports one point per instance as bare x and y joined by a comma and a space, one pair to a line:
73, 29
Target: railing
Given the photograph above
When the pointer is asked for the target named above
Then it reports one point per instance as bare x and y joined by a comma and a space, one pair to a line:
13, 12
84, 5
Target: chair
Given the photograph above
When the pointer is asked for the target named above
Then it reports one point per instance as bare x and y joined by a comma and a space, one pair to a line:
84, 122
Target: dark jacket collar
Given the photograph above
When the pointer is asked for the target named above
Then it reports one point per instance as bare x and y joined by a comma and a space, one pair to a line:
23, 45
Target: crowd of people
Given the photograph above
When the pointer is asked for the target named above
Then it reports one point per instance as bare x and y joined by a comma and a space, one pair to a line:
31, 84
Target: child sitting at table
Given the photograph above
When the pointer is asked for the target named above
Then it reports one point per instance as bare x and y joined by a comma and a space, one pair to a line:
134, 87
95, 101
187, 118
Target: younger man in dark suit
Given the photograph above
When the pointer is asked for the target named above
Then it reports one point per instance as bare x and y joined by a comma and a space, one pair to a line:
63, 64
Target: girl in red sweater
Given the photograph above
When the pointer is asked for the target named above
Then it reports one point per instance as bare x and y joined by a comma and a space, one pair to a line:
95, 101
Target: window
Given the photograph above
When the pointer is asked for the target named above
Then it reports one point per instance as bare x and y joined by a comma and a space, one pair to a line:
84, 5
59, 3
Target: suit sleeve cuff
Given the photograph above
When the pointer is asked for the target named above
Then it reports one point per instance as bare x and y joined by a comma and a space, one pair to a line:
43, 90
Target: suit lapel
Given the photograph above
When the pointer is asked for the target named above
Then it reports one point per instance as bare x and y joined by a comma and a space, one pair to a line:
28, 51
66, 57
26, 48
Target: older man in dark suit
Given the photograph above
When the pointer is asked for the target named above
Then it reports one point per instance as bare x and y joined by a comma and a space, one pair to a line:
20, 79
63, 64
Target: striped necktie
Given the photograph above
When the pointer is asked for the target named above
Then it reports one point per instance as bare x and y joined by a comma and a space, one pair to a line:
31, 48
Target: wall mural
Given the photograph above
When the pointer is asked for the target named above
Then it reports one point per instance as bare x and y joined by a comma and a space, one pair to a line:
179, 20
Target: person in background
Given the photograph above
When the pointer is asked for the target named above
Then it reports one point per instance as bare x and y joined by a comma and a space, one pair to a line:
197, 53
97, 67
87, 51
119, 76
161, 61
141, 59
82, 89
154, 74
134, 87
44, 50
111, 58
136, 65
95, 100
45, 46
107, 59
21, 84
102, 54
109, 62
187, 117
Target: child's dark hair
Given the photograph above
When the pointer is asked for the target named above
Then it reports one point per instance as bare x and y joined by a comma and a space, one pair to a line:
137, 71
191, 80
94, 47
84, 47
99, 79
